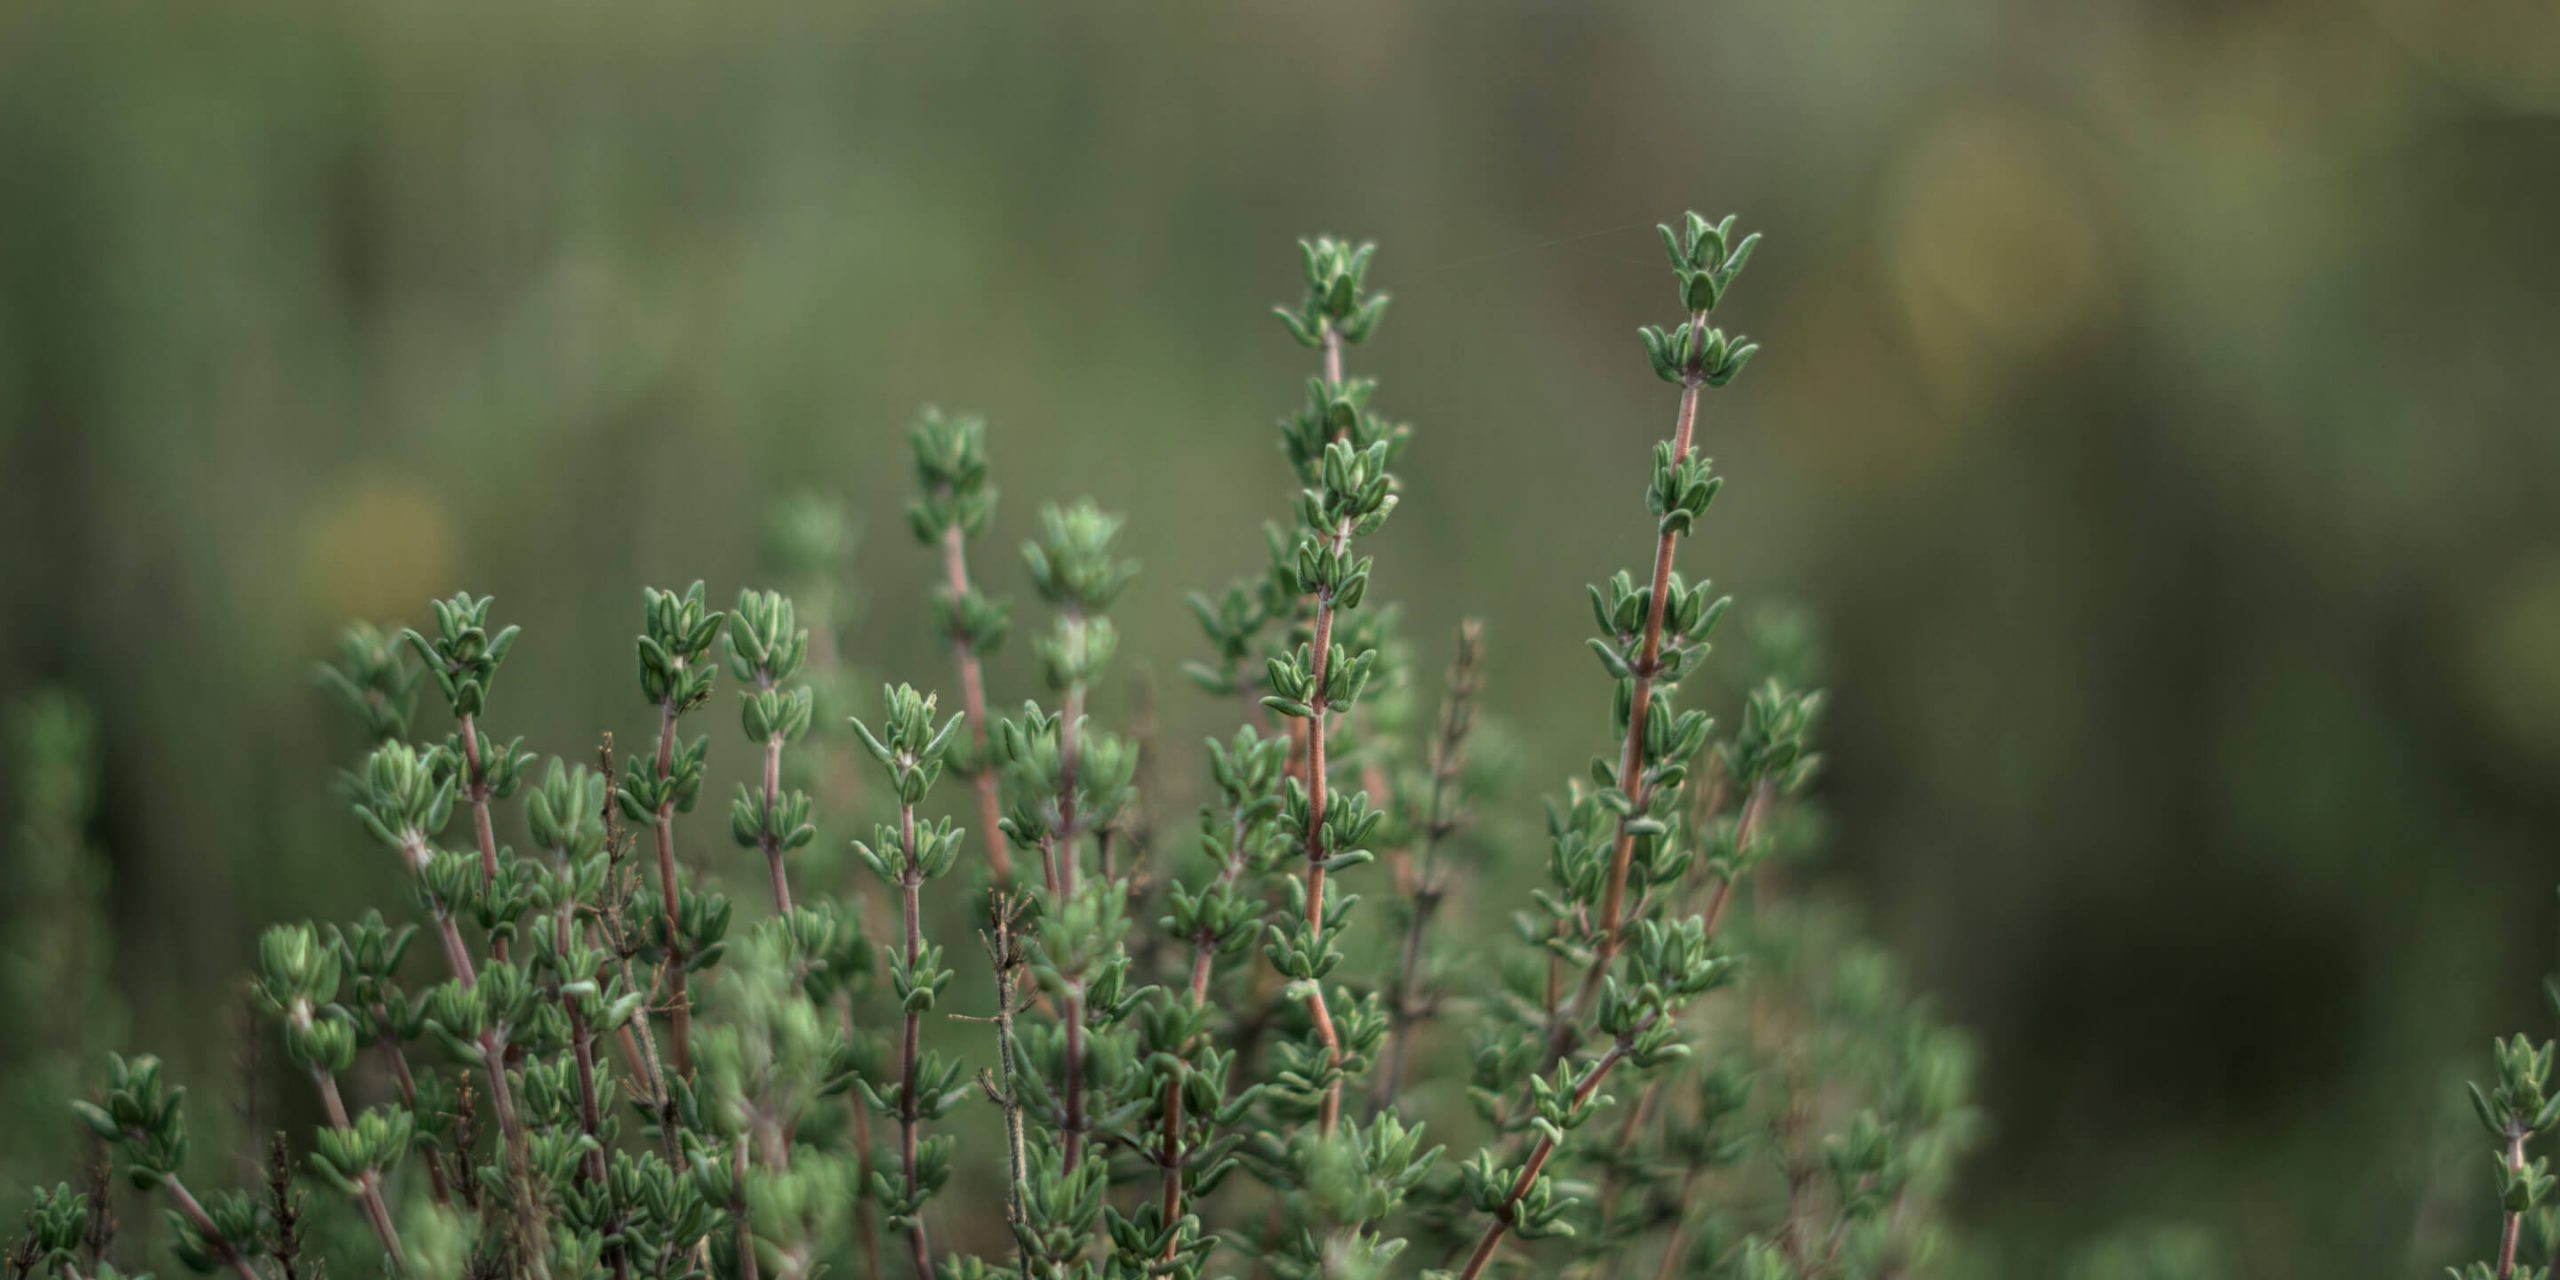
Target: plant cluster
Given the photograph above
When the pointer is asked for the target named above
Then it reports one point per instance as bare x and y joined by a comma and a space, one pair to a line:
1228, 1054
2518, 1110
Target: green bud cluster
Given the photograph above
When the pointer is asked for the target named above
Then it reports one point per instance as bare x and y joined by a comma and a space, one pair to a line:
956, 505
141, 1119
58, 1225
767, 647
1693, 352
951, 470
377, 1143
1338, 302
402, 797
463, 655
909, 744
676, 671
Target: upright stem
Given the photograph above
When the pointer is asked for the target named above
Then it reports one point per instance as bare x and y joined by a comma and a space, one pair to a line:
1073, 1143
1631, 776
1315, 781
1205, 958
492, 1049
502, 1099
1070, 732
369, 1184
973, 700
767, 839
681, 999
1068, 861
911, 910
457, 956
2515, 1221
1318, 707
1648, 660
477, 787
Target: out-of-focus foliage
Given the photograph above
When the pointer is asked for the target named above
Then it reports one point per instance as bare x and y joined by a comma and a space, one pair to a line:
2158, 409
54, 991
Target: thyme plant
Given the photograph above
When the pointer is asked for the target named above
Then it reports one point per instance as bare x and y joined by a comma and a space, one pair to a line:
1180, 1059
2519, 1110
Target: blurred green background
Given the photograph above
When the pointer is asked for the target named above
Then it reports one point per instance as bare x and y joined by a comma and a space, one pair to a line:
2157, 403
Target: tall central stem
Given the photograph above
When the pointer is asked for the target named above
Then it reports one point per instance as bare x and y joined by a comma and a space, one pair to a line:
973, 700
1631, 771
1317, 731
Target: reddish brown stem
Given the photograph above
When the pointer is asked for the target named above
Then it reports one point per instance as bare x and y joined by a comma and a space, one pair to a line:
196, 1217
1631, 772
1320, 661
2515, 1221
1491, 1241
1318, 706
1070, 733
1073, 1012
1204, 961
583, 1049
477, 787
457, 956
973, 700
1648, 662
767, 840
368, 1184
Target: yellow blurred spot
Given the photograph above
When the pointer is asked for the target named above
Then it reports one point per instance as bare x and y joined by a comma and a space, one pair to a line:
1861, 414
375, 547
1996, 244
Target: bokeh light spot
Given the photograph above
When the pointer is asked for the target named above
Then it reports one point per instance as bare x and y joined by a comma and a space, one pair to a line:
373, 547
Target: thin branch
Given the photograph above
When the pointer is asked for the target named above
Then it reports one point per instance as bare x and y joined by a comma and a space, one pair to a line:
1457, 718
